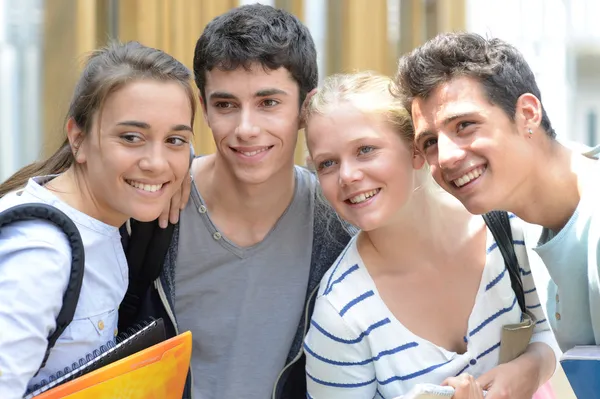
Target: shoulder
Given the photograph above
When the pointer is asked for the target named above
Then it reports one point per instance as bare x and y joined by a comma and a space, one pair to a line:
30, 235
343, 274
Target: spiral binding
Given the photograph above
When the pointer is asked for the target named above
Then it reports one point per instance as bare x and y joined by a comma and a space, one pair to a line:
85, 363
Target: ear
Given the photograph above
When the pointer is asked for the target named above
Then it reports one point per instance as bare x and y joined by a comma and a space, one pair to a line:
204, 111
76, 136
418, 159
528, 112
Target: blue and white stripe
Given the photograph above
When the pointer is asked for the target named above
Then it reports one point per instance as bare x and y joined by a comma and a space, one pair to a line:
356, 348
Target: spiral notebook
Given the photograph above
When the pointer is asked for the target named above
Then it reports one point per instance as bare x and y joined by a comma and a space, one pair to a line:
140, 365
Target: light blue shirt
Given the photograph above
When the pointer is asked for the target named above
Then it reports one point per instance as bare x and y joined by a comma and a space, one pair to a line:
572, 257
35, 261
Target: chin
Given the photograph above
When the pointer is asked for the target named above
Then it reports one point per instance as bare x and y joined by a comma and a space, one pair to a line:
145, 216
256, 175
477, 207
367, 225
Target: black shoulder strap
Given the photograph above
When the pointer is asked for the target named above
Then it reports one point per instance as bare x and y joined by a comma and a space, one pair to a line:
145, 249
71, 296
499, 224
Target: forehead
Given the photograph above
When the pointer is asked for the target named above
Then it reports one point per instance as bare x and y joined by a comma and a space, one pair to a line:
249, 80
148, 99
459, 96
341, 124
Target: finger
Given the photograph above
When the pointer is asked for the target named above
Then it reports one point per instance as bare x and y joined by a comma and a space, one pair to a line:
163, 218
487, 379
174, 210
186, 189
463, 386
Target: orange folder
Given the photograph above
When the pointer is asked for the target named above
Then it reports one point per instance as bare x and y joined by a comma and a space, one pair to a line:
157, 372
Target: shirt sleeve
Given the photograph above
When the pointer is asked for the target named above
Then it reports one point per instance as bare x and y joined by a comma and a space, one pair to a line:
35, 264
338, 360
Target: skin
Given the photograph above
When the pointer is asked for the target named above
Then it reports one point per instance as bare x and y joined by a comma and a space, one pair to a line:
142, 135
459, 130
354, 153
249, 181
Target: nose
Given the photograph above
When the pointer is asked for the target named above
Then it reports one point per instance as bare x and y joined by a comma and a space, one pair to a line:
449, 152
349, 173
154, 159
246, 129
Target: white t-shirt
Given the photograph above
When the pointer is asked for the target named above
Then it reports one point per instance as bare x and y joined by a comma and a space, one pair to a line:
35, 262
356, 348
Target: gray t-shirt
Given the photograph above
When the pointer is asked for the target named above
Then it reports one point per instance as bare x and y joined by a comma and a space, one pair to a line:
243, 305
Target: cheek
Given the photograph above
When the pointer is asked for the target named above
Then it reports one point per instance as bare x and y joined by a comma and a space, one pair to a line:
329, 187
221, 125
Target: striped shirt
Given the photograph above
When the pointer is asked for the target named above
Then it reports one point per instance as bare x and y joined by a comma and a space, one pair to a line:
356, 348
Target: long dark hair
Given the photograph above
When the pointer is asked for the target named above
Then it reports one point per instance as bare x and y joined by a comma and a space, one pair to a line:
106, 70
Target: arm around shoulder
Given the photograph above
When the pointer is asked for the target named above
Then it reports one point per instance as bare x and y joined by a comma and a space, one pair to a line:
35, 262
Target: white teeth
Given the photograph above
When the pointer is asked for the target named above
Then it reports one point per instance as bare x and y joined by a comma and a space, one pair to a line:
146, 187
467, 177
252, 153
363, 197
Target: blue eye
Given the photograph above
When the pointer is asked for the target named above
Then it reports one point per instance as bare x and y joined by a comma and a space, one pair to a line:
365, 149
325, 164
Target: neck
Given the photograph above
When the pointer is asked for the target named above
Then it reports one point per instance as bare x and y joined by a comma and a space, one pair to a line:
419, 228
551, 193
252, 204
73, 189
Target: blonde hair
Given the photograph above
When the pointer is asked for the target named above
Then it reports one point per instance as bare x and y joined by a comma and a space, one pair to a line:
369, 93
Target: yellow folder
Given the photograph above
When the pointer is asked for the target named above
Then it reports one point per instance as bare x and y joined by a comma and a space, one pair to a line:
157, 372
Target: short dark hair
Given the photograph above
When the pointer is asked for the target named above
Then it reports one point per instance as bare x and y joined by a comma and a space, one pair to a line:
500, 67
260, 34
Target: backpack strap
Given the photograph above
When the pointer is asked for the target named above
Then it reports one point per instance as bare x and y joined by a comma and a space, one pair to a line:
499, 224
51, 214
146, 249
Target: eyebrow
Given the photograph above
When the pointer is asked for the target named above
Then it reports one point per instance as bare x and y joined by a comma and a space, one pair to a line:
144, 125
269, 92
454, 117
447, 121
260, 93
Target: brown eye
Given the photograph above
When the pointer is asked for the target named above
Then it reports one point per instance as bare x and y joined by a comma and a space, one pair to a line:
428, 143
463, 125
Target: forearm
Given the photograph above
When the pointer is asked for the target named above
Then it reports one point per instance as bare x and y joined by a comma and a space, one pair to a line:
539, 360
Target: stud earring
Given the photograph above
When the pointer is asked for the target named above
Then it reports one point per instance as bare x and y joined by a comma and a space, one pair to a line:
530, 132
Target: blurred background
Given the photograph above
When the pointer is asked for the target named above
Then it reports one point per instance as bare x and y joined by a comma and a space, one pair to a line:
44, 42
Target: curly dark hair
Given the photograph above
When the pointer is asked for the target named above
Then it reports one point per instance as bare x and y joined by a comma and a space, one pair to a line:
500, 67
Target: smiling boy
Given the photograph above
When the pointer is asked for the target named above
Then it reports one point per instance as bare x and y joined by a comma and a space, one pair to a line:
480, 122
255, 238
